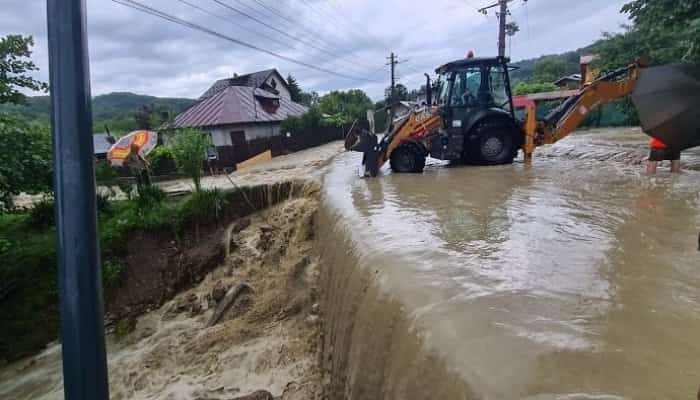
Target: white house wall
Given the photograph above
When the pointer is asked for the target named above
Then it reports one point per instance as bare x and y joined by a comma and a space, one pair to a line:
221, 136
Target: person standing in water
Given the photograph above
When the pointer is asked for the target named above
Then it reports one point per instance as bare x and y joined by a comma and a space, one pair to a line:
138, 166
660, 152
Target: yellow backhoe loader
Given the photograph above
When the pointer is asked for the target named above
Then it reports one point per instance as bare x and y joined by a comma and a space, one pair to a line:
473, 118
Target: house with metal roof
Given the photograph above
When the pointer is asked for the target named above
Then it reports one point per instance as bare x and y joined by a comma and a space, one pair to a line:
242, 113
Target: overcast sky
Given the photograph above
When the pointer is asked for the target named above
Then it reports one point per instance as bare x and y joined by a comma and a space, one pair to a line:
140, 53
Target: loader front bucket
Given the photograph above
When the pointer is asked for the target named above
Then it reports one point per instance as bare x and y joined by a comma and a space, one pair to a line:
366, 143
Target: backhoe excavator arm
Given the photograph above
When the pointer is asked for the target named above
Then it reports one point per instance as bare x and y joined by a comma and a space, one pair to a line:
573, 112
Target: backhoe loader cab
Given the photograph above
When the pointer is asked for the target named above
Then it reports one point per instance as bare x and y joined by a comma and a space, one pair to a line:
475, 101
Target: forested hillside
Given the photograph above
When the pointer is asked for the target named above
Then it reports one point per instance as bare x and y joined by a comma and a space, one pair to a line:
117, 110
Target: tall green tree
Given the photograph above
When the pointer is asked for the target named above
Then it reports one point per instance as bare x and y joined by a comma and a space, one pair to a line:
400, 93
25, 159
350, 105
189, 149
294, 89
150, 116
550, 69
15, 69
671, 28
310, 99
666, 31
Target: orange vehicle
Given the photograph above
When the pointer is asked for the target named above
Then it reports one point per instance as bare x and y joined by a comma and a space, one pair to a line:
473, 118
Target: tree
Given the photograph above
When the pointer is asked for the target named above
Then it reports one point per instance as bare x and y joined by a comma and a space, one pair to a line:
550, 69
150, 116
25, 162
189, 149
665, 31
15, 66
351, 105
672, 28
400, 93
309, 99
294, 89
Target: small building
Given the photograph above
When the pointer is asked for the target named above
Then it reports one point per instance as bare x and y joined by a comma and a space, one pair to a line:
242, 115
569, 82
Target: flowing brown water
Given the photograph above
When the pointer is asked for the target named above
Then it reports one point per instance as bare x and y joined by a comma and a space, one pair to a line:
575, 278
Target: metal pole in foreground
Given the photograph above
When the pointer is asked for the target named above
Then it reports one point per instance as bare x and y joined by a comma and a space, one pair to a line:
80, 288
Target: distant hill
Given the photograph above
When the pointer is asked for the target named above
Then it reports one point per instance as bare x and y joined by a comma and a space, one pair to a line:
114, 109
526, 67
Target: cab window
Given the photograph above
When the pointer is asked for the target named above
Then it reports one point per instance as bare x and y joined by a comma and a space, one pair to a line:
465, 87
499, 92
443, 90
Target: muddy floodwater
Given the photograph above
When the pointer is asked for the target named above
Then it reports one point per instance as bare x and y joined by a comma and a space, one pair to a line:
575, 278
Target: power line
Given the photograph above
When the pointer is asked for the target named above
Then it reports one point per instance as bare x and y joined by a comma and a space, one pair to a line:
316, 36
323, 13
261, 22
290, 21
171, 18
228, 20
205, 11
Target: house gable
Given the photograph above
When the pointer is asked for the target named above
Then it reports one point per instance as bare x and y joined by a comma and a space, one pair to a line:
269, 80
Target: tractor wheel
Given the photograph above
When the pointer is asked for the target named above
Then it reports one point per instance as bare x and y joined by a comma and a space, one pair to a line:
407, 158
492, 143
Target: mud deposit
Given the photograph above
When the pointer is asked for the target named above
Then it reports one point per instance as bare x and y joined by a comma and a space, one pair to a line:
263, 339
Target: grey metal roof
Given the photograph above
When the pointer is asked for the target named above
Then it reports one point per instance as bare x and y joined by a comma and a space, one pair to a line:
255, 79
572, 77
235, 105
100, 144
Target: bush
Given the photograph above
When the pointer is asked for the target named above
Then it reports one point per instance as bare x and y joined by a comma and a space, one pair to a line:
150, 196
162, 160
112, 273
42, 214
25, 159
189, 149
204, 206
103, 204
524, 88
105, 174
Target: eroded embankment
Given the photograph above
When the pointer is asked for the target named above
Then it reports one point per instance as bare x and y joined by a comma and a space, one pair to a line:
278, 298
248, 323
370, 347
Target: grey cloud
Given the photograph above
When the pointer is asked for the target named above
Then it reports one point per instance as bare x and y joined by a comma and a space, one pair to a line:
131, 51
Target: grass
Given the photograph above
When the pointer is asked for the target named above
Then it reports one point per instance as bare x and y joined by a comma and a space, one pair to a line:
28, 271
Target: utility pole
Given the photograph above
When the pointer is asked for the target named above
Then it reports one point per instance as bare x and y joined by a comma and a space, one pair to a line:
393, 61
502, 23
79, 275
502, 28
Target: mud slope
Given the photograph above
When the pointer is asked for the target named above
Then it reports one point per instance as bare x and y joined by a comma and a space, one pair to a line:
249, 324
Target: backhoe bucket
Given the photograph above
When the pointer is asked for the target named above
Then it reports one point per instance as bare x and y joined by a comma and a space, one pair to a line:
366, 143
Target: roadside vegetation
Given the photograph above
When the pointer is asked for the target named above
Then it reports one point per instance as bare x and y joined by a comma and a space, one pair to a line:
28, 273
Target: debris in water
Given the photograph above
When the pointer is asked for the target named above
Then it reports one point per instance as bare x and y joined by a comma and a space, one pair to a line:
228, 301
